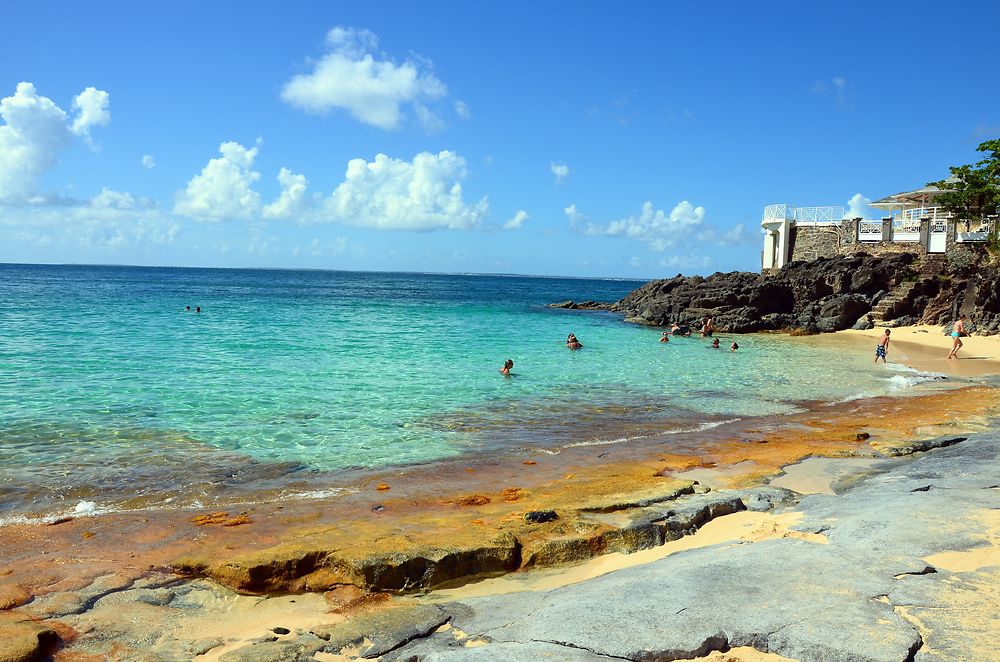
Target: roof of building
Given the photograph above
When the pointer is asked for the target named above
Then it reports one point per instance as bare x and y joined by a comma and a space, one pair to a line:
920, 195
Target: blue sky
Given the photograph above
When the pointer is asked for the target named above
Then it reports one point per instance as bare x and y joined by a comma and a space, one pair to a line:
573, 138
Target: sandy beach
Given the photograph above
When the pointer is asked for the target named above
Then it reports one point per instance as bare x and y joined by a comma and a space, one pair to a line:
926, 348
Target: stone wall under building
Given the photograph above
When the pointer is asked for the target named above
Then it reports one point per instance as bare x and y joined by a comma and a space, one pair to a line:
811, 242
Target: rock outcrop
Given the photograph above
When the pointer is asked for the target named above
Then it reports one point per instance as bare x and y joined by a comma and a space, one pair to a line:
828, 294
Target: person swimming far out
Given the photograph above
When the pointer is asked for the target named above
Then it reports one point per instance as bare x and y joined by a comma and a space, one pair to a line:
665, 337
573, 343
507, 365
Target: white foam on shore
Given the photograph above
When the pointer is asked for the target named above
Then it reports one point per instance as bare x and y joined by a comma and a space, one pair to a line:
908, 377
701, 427
91, 509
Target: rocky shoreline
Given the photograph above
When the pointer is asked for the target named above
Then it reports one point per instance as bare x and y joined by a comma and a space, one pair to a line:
110, 584
824, 295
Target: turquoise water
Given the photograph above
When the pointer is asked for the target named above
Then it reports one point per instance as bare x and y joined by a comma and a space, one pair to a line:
111, 392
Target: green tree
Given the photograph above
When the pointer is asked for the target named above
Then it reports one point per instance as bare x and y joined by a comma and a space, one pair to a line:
972, 193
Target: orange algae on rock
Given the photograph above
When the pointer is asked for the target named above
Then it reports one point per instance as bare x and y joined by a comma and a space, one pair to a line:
242, 518
473, 500
511, 493
213, 518
382, 487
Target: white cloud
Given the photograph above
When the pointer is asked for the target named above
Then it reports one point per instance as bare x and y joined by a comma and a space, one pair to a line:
92, 106
293, 196
148, 162
462, 110
108, 199
517, 221
393, 194
368, 85
686, 262
560, 170
223, 188
431, 122
684, 225
654, 227
112, 222
35, 130
840, 88
318, 248
859, 207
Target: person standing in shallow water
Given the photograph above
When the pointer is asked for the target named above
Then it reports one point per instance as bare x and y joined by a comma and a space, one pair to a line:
573, 343
957, 332
882, 347
507, 365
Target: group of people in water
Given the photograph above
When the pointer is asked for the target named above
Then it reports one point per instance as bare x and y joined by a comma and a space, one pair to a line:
187, 309
707, 329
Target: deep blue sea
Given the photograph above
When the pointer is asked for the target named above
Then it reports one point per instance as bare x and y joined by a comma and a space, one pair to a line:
111, 393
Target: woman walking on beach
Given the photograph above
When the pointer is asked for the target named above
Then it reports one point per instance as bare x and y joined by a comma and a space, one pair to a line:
957, 332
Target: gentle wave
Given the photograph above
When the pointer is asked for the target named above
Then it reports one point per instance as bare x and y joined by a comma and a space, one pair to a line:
622, 440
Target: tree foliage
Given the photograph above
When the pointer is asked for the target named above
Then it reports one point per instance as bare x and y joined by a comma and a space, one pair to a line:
973, 191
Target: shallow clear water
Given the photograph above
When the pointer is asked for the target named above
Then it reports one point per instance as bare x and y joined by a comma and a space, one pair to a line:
110, 391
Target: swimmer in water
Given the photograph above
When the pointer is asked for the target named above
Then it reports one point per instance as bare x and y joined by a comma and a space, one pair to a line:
507, 365
573, 343
665, 337
715, 343
734, 347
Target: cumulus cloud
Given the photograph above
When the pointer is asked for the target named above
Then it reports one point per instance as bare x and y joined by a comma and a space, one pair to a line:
858, 207
654, 227
462, 110
92, 106
560, 170
34, 131
148, 162
517, 221
354, 77
108, 199
394, 194
293, 195
223, 189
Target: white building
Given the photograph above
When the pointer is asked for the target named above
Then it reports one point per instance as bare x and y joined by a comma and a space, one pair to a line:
911, 222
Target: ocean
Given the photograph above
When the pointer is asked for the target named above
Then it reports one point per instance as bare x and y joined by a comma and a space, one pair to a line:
113, 397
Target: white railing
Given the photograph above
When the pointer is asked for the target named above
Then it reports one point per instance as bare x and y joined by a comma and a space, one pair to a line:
815, 214
802, 214
779, 213
931, 213
870, 231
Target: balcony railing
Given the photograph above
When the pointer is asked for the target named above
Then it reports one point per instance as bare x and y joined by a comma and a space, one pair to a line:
870, 231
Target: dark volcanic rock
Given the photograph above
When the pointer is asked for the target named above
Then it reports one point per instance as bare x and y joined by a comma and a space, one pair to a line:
823, 295
582, 305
